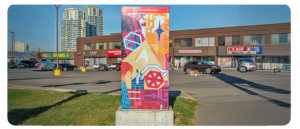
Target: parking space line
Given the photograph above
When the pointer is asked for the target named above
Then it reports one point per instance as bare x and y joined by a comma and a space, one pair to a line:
188, 95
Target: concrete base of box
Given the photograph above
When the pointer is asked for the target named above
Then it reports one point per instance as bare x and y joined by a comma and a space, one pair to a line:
144, 117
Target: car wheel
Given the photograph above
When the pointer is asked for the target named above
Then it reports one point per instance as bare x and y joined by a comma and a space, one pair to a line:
65, 68
208, 70
75, 68
216, 72
188, 69
242, 69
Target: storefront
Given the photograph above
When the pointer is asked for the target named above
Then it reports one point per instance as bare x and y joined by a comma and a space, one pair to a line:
265, 56
185, 54
114, 56
63, 57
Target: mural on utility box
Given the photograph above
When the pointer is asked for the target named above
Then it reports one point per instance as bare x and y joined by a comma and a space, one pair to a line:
145, 58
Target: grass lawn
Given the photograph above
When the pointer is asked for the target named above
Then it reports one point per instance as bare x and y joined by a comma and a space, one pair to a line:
41, 107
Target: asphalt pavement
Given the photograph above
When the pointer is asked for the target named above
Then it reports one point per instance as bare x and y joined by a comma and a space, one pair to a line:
227, 98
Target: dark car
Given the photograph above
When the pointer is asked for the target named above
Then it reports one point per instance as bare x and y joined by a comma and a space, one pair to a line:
25, 64
202, 66
66, 67
102, 67
11, 65
118, 66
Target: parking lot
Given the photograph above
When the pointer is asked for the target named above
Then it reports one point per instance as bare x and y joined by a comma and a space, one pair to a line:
227, 98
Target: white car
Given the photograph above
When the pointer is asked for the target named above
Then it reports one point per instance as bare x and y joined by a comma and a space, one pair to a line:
113, 65
96, 66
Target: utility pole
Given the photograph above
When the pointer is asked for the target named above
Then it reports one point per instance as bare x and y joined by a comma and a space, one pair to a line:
12, 44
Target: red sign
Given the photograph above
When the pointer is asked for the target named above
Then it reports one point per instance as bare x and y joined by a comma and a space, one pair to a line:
190, 51
145, 9
114, 52
238, 48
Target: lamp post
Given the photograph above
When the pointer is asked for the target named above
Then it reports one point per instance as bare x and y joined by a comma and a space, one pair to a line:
82, 28
57, 36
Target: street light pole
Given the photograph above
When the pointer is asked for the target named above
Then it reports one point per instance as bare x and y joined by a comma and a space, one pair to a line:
57, 35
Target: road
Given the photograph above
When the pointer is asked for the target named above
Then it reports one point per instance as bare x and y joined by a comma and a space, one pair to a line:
227, 98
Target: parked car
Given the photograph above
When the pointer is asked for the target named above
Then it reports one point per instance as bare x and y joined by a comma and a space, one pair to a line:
66, 67
113, 65
118, 66
25, 64
246, 64
202, 66
102, 67
11, 65
96, 66
48, 66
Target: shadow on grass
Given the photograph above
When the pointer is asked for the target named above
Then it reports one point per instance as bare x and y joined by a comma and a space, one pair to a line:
171, 103
239, 84
18, 116
92, 83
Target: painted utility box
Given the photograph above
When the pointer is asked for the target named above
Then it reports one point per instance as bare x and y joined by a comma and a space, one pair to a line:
145, 58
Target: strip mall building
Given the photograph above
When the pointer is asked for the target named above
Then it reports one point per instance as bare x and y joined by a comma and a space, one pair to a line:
268, 45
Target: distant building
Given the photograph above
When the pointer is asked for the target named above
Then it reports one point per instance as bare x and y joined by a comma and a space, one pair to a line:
21, 47
90, 18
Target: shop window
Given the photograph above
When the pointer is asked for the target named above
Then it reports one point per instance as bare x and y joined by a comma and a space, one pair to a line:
284, 38
221, 41
89, 46
170, 43
101, 46
229, 40
183, 42
114, 45
205, 41
254, 39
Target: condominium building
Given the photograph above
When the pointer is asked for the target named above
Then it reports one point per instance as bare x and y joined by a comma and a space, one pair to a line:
89, 18
21, 47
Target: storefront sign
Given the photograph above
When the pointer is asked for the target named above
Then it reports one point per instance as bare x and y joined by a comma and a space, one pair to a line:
114, 52
79, 53
93, 53
84, 53
190, 51
244, 50
54, 55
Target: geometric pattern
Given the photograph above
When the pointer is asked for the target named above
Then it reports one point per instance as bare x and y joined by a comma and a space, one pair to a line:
154, 79
145, 58
132, 41
125, 103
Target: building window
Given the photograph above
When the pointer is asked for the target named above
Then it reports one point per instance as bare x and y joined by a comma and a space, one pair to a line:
284, 38
254, 39
89, 46
205, 41
170, 42
114, 45
101, 46
229, 40
183, 42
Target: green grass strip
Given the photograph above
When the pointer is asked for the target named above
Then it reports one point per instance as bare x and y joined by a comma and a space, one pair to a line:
41, 107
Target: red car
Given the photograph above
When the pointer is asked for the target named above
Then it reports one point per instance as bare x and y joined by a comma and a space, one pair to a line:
118, 67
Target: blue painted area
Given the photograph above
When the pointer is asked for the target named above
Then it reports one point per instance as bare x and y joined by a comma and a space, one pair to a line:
257, 49
137, 86
125, 103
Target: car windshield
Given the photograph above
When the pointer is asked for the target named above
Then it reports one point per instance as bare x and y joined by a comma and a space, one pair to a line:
206, 62
248, 60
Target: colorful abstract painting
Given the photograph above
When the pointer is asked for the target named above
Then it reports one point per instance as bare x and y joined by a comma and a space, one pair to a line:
145, 58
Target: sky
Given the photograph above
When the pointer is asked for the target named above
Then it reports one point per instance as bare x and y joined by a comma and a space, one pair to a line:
36, 24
